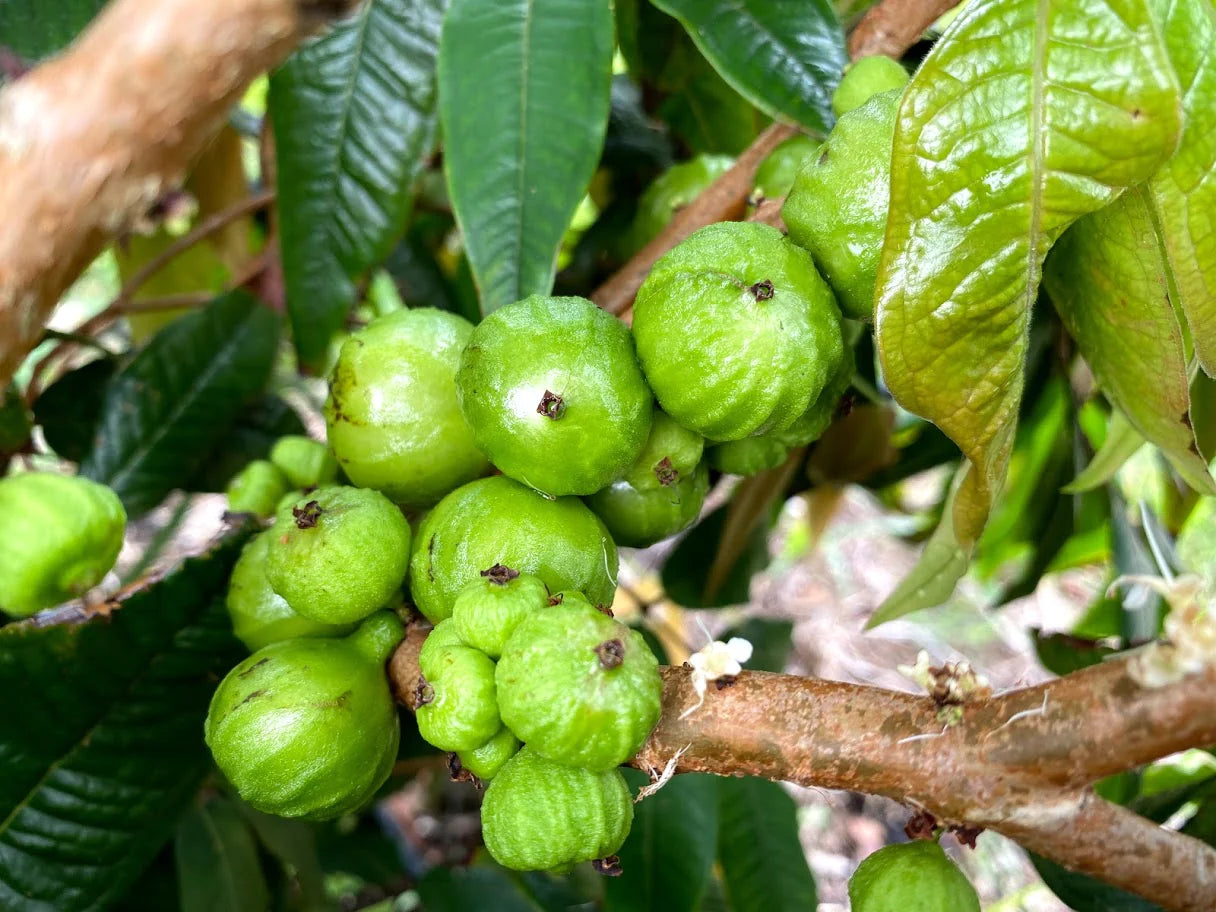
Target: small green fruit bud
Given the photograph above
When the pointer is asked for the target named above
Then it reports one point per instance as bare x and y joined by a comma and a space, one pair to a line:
911, 877
865, 78
484, 762
457, 709
257, 489
307, 463
488, 611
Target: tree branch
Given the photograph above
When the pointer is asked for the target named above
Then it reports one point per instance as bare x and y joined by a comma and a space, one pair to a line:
89, 140
893, 26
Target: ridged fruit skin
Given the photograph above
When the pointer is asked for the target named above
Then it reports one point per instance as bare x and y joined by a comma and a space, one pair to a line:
911, 877
446, 633
257, 489
485, 761
307, 463
260, 616
487, 611
524, 355
61, 535
344, 562
671, 191
499, 521
736, 331
462, 712
837, 208
564, 695
748, 456
864, 78
308, 727
392, 413
638, 518
671, 452
538, 815
775, 175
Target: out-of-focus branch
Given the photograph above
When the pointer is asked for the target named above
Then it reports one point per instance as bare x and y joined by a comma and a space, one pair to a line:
91, 139
893, 26
1019, 763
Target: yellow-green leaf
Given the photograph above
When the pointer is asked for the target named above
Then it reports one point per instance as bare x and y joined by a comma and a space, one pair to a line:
1121, 444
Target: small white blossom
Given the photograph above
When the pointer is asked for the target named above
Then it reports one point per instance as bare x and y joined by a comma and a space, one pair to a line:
1190, 632
717, 660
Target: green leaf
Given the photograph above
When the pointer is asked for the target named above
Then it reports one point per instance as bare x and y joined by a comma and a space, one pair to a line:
1109, 284
14, 422
104, 748
1085, 894
762, 860
523, 97
1197, 540
354, 119
463, 889
785, 56
1121, 443
218, 868
34, 29
1062, 653
666, 860
294, 844
686, 572
165, 411
1008, 132
256, 429
1183, 192
70, 408
701, 108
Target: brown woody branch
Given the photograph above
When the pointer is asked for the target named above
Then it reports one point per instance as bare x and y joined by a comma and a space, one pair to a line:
1019, 763
90, 140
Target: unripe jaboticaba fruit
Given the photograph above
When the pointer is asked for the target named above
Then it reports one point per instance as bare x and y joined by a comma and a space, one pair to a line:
539, 815
865, 78
637, 518
61, 536
457, 709
487, 611
339, 553
578, 687
671, 191
308, 728
736, 331
499, 521
307, 463
260, 616
392, 413
671, 452
911, 877
553, 391
822, 412
484, 762
748, 456
257, 489
775, 175
837, 208
446, 633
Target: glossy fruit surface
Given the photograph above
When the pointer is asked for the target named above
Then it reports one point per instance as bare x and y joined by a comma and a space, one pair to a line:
257, 489
865, 78
488, 610
307, 463
458, 709
552, 389
911, 877
671, 191
484, 762
638, 518
61, 535
736, 331
775, 175
339, 553
260, 616
837, 208
499, 521
539, 815
579, 687
671, 452
308, 728
392, 414
446, 633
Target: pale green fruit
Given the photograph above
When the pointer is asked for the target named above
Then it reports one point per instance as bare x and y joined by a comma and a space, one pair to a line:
749, 456
911, 877
671, 191
484, 762
775, 175
457, 709
671, 452
488, 611
446, 633
61, 535
865, 78
257, 489
640, 517
307, 463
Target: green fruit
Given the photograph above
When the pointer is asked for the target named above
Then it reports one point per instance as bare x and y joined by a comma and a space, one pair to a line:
736, 331
484, 762
637, 518
775, 175
865, 78
671, 191
307, 463
487, 611
339, 553
838, 207
308, 728
499, 521
446, 633
671, 452
538, 815
553, 391
257, 489
748, 456
392, 413
578, 687
457, 709
61, 535
911, 877
822, 412
260, 616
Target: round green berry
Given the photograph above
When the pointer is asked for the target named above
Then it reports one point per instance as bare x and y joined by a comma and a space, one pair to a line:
640, 517
487, 611
257, 489
864, 78
911, 877
749, 456
457, 709
671, 191
775, 175
307, 463
671, 452
484, 762
446, 633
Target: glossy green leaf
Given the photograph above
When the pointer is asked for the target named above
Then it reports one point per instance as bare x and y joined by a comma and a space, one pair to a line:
218, 869
785, 56
1087, 894
762, 860
105, 747
1110, 286
463, 889
1008, 132
34, 29
255, 431
1183, 192
701, 108
1062, 653
523, 97
69, 409
1121, 444
354, 119
165, 411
